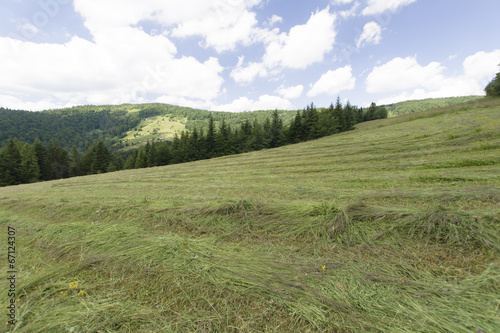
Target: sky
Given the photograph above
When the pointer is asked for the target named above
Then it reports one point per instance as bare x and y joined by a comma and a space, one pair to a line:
243, 55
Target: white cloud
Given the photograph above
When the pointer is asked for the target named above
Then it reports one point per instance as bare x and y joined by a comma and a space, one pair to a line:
265, 102
333, 82
247, 74
274, 19
221, 23
345, 14
341, 2
379, 6
290, 92
27, 29
414, 81
372, 34
122, 63
482, 65
15, 103
400, 74
305, 44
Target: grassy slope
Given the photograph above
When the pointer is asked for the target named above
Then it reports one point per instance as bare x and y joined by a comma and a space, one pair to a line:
407, 107
391, 227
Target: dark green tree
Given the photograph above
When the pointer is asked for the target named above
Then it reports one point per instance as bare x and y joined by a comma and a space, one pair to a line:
101, 158
30, 173
276, 133
210, 138
338, 112
350, 116
10, 164
43, 162
493, 88
75, 160
58, 159
130, 161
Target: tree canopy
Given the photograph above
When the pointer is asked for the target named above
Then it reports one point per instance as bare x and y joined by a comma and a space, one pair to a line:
493, 88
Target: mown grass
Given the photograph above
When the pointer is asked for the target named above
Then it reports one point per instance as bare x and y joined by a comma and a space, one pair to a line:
391, 227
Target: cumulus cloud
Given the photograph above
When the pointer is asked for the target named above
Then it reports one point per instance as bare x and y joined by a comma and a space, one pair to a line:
221, 23
482, 65
120, 64
415, 81
301, 47
265, 102
333, 82
372, 34
274, 19
379, 6
290, 92
246, 74
403, 73
305, 44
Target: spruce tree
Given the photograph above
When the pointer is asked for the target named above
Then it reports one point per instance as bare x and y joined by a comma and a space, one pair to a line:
30, 173
58, 159
338, 113
75, 160
276, 135
10, 164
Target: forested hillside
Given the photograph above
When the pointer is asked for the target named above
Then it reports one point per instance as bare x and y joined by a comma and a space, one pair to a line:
403, 108
78, 125
22, 162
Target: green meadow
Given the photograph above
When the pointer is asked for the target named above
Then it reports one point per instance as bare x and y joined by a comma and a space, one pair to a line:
391, 227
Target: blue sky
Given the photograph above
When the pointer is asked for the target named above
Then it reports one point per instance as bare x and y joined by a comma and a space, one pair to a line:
237, 55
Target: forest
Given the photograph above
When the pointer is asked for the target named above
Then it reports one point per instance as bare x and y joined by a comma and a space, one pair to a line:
25, 162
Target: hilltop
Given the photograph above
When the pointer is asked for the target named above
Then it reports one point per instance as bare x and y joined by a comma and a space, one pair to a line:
414, 106
390, 227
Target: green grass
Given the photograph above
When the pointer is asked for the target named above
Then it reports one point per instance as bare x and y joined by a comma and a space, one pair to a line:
392, 227
415, 106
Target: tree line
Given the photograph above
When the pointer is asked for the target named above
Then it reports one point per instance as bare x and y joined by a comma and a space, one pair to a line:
22, 162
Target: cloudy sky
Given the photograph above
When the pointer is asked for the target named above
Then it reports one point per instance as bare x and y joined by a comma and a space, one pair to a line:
235, 55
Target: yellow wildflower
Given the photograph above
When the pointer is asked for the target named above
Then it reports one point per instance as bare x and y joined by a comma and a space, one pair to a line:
323, 267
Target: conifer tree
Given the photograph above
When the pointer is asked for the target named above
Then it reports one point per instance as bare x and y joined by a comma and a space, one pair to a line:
276, 135
164, 155
43, 162
338, 113
30, 173
130, 161
10, 164
210, 139
75, 162
350, 117
58, 159
141, 160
